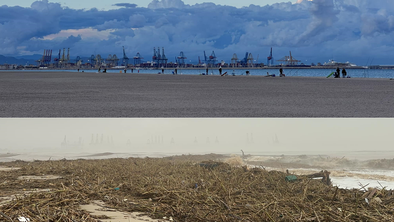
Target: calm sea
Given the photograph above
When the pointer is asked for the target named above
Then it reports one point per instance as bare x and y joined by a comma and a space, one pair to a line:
354, 73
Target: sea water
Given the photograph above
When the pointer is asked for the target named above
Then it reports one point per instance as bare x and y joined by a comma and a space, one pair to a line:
294, 72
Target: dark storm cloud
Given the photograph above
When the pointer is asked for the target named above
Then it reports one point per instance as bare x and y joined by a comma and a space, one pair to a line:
311, 30
126, 5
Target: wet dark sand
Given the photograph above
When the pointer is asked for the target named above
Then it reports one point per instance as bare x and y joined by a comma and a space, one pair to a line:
47, 94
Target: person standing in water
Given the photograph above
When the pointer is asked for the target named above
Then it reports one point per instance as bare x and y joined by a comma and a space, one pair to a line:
220, 71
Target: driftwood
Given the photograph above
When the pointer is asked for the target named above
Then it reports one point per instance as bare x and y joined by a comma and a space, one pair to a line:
184, 190
324, 174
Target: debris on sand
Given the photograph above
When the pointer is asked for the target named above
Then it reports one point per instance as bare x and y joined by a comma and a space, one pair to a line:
8, 168
43, 177
185, 190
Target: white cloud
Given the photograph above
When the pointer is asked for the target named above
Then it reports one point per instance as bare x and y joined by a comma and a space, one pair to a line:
84, 33
156, 4
316, 30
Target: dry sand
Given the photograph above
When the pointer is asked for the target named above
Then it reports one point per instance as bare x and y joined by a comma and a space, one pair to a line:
98, 208
62, 94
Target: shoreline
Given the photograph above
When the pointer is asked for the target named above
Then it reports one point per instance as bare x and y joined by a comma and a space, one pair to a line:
72, 71
196, 68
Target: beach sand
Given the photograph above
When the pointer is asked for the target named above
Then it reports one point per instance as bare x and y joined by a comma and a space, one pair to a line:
98, 208
65, 94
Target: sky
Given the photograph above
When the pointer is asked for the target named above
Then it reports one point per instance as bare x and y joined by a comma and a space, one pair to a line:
106, 5
358, 31
335, 137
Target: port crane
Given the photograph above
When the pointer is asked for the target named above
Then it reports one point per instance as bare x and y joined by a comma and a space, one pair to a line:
270, 59
125, 60
289, 60
181, 59
234, 60
211, 60
137, 59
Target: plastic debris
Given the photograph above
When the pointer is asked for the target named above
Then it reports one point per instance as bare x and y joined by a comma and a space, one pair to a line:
291, 178
23, 219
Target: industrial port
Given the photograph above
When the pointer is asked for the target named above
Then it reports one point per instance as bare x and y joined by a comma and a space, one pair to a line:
159, 60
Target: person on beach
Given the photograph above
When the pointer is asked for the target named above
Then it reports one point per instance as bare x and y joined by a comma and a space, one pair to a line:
176, 71
99, 70
220, 71
344, 73
337, 73
162, 71
125, 70
247, 73
132, 70
281, 73
105, 71
207, 71
268, 75
233, 72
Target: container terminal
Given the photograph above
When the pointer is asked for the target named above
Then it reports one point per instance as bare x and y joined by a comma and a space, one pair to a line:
159, 60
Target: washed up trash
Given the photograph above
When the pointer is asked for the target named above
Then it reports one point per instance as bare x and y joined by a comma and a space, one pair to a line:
291, 178
23, 219
175, 186
117, 188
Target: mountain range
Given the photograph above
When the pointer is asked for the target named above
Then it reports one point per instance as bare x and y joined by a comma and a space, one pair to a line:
19, 60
